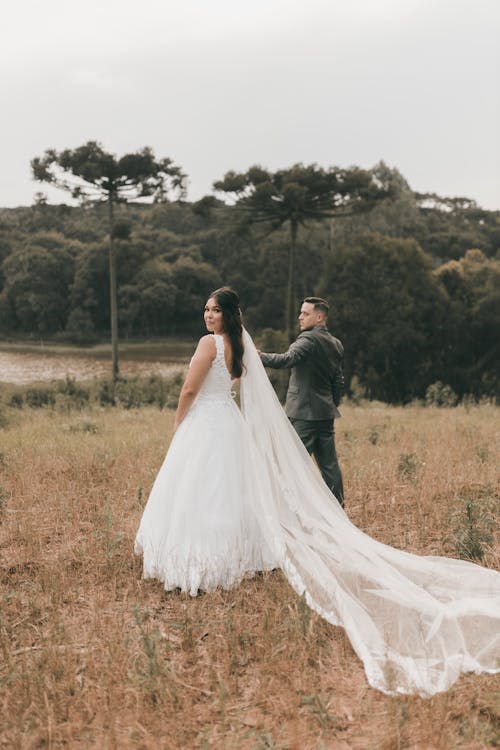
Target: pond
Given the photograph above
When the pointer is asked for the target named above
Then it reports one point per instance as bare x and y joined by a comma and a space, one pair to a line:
23, 367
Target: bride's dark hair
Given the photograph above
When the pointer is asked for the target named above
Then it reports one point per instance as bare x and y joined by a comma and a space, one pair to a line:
229, 303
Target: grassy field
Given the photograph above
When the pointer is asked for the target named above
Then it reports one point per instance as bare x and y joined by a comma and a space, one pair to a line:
92, 656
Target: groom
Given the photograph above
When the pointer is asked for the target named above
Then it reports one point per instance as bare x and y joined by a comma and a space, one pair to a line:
315, 388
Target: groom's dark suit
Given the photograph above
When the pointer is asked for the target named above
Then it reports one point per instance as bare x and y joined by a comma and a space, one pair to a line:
314, 392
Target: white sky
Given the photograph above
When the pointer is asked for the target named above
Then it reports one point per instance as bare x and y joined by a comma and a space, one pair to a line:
224, 84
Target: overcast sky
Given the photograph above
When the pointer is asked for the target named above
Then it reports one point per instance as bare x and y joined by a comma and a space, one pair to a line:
224, 84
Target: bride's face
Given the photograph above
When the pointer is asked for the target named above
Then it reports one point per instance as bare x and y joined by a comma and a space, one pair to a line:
213, 316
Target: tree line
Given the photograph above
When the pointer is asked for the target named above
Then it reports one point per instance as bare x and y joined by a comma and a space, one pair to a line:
413, 280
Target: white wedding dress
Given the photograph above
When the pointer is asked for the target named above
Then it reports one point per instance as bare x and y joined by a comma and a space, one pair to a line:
238, 492
199, 528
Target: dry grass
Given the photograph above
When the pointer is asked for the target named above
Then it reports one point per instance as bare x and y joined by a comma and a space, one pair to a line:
94, 657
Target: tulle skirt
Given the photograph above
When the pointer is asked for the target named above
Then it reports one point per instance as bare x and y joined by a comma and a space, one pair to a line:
199, 529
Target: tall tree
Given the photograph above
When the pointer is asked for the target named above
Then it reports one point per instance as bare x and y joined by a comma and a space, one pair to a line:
296, 196
472, 351
89, 173
36, 290
389, 309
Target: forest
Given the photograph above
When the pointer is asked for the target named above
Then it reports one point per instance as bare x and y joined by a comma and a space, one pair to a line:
413, 282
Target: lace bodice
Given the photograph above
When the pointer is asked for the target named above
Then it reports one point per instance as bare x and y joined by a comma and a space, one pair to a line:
217, 384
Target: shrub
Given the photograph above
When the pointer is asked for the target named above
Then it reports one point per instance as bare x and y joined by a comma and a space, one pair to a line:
173, 390
16, 401
129, 393
440, 394
72, 395
407, 466
84, 425
106, 393
473, 522
356, 392
155, 390
37, 397
375, 432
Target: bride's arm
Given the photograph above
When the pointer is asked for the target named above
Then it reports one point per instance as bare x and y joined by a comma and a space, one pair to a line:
198, 369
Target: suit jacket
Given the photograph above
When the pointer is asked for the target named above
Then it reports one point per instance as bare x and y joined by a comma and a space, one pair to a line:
316, 381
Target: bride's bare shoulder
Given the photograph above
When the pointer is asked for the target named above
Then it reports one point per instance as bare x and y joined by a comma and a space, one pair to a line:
206, 346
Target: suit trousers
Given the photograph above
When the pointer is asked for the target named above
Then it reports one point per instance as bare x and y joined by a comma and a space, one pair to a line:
318, 436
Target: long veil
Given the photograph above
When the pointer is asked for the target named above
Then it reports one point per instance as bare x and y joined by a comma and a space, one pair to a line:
416, 622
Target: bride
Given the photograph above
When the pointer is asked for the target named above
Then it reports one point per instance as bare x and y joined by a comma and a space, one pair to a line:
238, 493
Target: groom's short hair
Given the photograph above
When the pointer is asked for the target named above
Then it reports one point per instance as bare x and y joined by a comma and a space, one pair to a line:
320, 304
